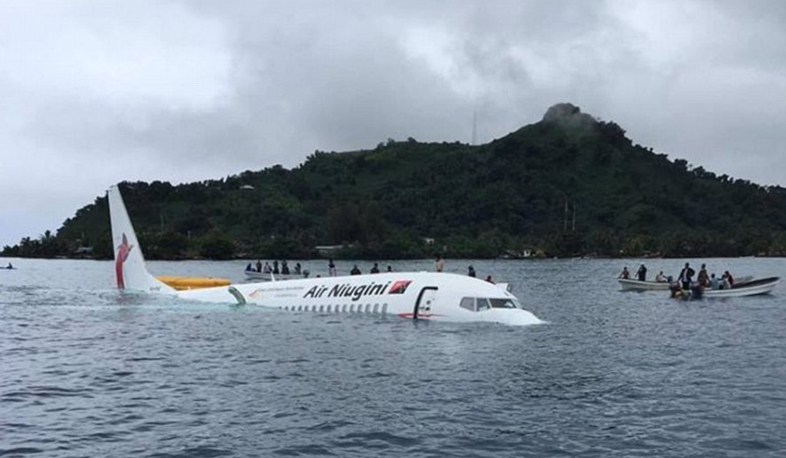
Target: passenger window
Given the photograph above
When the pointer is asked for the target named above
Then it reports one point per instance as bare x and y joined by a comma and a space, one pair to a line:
483, 304
468, 303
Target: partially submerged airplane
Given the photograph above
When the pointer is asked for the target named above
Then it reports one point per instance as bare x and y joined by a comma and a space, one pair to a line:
413, 295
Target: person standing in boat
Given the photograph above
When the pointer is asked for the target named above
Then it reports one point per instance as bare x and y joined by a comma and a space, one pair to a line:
439, 264
642, 273
275, 267
686, 276
703, 278
259, 265
624, 274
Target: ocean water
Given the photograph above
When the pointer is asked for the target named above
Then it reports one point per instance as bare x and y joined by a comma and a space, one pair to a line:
86, 371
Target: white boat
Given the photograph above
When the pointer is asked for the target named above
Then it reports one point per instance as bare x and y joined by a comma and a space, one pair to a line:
414, 295
741, 289
269, 276
629, 284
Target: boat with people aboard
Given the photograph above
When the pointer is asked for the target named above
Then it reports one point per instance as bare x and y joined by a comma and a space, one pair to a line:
740, 289
268, 272
629, 284
253, 275
412, 295
683, 281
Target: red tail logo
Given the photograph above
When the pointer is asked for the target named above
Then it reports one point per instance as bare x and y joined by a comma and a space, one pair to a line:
120, 258
399, 287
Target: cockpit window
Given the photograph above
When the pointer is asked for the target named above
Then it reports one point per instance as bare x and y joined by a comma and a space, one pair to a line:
483, 304
468, 303
503, 304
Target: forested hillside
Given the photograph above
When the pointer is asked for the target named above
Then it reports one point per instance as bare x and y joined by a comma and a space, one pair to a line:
568, 185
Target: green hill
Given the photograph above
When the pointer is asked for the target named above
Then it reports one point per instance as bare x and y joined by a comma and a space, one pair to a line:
567, 185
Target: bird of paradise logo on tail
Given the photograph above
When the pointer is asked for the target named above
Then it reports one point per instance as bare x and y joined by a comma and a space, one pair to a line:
122, 254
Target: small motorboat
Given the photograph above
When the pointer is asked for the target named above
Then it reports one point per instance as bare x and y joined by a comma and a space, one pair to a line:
269, 276
629, 284
740, 289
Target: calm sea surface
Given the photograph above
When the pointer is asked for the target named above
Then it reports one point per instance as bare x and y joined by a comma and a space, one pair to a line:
86, 371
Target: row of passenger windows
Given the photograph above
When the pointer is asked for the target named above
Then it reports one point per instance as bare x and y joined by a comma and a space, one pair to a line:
339, 308
478, 304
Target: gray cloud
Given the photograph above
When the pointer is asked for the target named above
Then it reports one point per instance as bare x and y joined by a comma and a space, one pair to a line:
97, 92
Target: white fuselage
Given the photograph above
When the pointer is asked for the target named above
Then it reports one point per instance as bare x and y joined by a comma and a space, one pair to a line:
422, 295
426, 295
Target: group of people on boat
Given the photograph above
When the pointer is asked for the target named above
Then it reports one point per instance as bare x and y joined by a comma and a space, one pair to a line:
267, 269
704, 280
685, 279
641, 274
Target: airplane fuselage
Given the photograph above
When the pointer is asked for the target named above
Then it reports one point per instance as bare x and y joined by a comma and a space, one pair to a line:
422, 295
419, 295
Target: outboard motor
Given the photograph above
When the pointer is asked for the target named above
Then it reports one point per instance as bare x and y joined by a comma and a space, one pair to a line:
696, 290
675, 288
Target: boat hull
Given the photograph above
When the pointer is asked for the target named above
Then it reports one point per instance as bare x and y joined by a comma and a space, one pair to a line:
637, 285
252, 275
751, 288
628, 284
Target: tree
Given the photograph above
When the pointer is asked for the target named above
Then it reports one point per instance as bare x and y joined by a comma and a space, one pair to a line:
216, 246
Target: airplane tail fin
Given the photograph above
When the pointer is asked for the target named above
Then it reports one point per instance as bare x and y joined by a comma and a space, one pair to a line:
130, 270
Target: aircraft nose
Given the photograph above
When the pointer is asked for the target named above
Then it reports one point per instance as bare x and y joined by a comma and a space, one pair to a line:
514, 317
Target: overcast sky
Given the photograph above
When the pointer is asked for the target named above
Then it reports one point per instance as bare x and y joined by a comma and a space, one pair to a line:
96, 92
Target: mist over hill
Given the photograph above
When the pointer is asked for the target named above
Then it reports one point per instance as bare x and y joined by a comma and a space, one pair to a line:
568, 185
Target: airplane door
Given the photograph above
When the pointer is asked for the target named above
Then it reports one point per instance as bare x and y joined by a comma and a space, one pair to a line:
426, 298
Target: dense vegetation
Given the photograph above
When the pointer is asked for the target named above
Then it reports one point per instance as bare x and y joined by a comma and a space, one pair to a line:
566, 186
